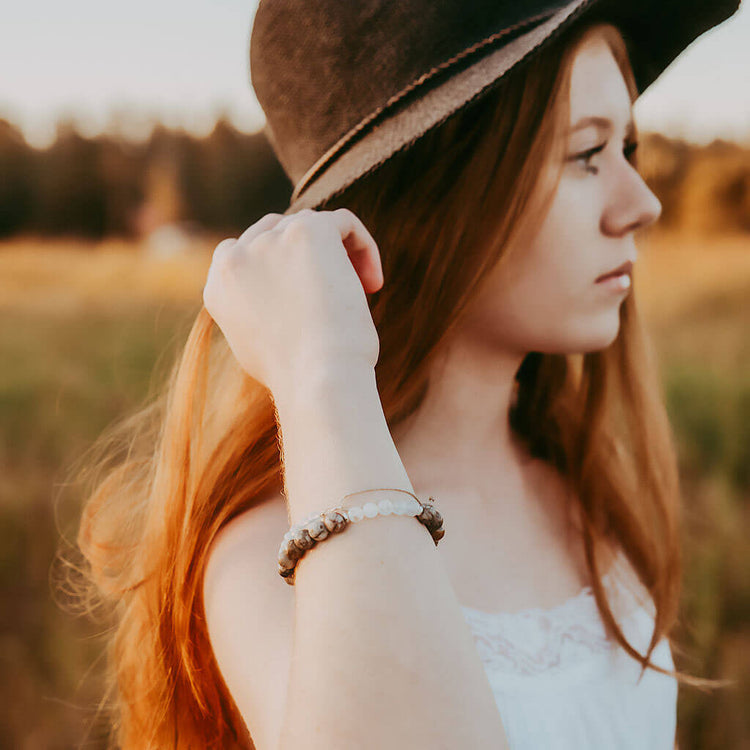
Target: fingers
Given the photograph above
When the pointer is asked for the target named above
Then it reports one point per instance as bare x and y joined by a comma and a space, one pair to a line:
222, 249
264, 224
359, 243
353, 232
269, 221
361, 247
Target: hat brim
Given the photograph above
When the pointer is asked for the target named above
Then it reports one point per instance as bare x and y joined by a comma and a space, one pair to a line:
405, 124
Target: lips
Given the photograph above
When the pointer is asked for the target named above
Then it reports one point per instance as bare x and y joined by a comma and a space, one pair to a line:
626, 267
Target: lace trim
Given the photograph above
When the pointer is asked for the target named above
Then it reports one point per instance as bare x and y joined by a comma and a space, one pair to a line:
544, 641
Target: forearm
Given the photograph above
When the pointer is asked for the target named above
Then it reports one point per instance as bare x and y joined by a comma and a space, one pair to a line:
336, 441
382, 656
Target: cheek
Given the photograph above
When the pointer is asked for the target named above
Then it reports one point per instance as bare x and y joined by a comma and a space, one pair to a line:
560, 260
545, 316
541, 308
528, 307
574, 219
543, 299
549, 271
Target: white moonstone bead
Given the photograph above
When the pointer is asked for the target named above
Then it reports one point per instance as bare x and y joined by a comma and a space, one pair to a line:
355, 513
385, 506
370, 510
401, 506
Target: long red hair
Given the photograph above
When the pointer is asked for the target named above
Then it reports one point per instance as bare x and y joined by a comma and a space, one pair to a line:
443, 212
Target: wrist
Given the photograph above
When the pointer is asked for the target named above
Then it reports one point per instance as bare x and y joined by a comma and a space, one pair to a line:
324, 387
335, 440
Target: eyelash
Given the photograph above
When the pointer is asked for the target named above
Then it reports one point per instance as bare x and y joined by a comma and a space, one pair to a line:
629, 150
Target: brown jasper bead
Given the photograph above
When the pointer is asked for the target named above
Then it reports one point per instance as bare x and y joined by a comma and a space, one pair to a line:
285, 560
438, 535
286, 573
435, 520
426, 516
302, 539
293, 550
317, 529
334, 521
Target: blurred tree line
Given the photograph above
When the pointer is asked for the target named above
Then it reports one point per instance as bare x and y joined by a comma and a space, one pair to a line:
101, 186
223, 182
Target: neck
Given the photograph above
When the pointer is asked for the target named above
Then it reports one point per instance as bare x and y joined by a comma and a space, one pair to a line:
460, 440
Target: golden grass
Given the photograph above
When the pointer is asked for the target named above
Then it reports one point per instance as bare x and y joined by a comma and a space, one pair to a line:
68, 275
676, 272
673, 272
65, 377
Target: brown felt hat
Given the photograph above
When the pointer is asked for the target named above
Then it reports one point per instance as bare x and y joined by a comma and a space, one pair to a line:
345, 84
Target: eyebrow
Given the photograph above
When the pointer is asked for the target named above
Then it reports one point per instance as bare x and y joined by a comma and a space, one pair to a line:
601, 123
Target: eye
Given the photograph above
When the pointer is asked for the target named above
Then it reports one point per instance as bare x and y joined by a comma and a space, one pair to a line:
586, 156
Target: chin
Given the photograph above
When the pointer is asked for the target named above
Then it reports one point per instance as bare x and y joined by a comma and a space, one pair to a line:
601, 340
594, 339
579, 335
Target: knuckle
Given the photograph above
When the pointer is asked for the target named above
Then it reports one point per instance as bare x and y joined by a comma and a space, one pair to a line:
300, 228
231, 260
224, 258
269, 221
223, 252
258, 245
266, 222
345, 212
222, 248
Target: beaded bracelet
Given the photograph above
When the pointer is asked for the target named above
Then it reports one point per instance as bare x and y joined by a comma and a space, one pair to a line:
319, 526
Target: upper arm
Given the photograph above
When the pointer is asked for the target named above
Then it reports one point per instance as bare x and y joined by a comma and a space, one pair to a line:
250, 617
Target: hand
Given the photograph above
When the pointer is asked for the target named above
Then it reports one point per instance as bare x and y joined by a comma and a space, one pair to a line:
289, 295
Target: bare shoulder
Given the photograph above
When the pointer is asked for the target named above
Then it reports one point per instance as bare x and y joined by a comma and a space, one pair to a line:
250, 616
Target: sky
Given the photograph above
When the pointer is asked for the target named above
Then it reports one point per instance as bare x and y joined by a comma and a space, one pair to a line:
123, 65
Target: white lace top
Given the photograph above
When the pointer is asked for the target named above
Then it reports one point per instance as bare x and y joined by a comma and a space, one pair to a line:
560, 683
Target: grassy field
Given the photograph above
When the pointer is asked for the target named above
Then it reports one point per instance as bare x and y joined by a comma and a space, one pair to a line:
89, 330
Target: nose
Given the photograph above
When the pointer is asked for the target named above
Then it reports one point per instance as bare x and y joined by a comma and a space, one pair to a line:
633, 205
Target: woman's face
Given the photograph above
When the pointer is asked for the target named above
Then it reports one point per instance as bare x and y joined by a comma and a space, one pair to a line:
545, 297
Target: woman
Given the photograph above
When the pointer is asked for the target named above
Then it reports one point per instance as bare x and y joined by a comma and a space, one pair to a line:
440, 326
